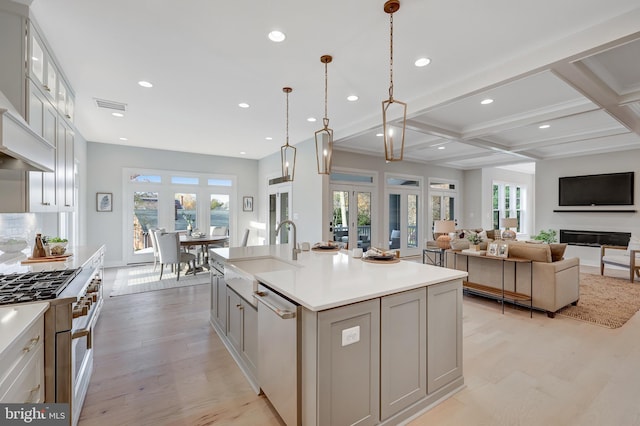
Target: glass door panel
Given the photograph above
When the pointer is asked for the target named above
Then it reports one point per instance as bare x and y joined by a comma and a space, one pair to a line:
412, 221
404, 214
341, 216
364, 220
185, 211
219, 210
284, 215
279, 207
145, 217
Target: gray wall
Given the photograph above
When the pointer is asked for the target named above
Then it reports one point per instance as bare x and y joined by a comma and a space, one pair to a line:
547, 174
105, 164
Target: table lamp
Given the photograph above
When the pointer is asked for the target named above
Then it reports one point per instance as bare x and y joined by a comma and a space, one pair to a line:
442, 228
509, 222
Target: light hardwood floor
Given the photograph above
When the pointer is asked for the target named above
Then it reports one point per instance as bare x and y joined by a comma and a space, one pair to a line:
158, 362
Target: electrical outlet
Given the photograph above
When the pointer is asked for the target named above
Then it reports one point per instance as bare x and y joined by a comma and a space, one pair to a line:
350, 335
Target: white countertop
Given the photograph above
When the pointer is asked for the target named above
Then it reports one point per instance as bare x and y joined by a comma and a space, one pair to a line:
320, 281
15, 319
10, 262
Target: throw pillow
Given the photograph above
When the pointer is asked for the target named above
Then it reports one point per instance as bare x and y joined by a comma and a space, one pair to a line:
557, 251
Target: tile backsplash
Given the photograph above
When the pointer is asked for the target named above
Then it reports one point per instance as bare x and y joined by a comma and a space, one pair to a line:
27, 225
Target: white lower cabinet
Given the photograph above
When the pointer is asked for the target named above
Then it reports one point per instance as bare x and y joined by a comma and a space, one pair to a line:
242, 331
444, 334
218, 308
383, 360
349, 364
403, 351
22, 365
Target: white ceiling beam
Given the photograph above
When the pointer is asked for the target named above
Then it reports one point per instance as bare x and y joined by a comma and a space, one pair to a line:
582, 79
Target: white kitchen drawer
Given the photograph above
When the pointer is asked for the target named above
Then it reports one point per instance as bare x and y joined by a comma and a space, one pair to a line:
17, 353
28, 387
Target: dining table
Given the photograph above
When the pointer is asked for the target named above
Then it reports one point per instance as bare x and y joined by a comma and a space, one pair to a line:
203, 242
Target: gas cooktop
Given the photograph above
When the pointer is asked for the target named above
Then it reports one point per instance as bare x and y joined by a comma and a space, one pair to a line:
34, 286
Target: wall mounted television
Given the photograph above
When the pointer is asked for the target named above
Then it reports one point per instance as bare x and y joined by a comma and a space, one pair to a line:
610, 189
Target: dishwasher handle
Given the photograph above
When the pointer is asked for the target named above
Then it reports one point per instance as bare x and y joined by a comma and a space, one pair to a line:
261, 296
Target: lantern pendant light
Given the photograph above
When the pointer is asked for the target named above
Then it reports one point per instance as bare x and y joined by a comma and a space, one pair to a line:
324, 137
287, 152
393, 131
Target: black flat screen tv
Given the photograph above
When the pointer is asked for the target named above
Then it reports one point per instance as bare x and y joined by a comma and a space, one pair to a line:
611, 189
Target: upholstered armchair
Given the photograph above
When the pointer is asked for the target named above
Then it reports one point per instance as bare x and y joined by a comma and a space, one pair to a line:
622, 257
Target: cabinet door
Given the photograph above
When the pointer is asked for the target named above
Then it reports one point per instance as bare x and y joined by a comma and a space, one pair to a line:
65, 163
444, 334
42, 118
234, 320
403, 351
349, 364
250, 336
222, 304
213, 298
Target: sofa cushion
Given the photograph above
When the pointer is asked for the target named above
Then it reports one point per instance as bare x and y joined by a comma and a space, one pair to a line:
534, 252
557, 251
459, 244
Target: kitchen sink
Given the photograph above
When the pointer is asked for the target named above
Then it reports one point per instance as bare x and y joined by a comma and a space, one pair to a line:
267, 264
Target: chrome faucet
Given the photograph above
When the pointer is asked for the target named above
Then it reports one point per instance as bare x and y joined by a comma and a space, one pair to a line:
296, 250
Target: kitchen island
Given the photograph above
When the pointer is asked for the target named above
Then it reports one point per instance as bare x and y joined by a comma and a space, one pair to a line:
367, 343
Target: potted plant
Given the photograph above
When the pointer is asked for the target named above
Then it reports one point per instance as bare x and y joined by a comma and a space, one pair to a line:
548, 236
475, 240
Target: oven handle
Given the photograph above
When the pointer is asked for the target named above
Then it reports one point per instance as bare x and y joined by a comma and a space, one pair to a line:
86, 331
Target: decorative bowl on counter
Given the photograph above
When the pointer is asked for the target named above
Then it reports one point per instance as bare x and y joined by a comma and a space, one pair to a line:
58, 249
12, 245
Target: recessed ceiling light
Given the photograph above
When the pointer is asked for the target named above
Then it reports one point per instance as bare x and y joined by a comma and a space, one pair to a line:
269, 138
145, 84
243, 105
422, 62
242, 153
379, 135
117, 114
277, 36
311, 119
487, 101
441, 147
124, 139
544, 126
352, 98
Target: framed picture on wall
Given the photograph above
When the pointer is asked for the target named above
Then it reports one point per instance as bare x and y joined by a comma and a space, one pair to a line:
104, 201
247, 204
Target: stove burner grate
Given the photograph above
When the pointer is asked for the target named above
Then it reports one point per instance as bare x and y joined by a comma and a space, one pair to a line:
32, 286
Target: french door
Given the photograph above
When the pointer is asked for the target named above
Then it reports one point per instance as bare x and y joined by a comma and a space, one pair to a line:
352, 216
404, 213
279, 208
442, 201
173, 201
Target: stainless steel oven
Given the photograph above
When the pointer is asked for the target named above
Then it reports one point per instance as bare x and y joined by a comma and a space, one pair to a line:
85, 315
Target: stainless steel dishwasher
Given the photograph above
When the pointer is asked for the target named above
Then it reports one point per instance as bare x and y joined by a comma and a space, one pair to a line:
279, 356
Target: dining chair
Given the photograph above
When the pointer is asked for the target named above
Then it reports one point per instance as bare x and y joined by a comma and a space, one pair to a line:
154, 245
245, 238
170, 253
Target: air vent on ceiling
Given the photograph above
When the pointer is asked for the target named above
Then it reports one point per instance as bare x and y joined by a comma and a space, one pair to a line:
117, 106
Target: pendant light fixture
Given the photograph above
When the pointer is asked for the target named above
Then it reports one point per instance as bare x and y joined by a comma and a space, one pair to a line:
324, 137
287, 152
393, 132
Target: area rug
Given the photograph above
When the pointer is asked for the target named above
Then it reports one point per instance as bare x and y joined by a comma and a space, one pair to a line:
605, 301
140, 279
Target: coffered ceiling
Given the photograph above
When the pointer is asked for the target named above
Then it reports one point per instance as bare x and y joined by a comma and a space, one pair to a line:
573, 65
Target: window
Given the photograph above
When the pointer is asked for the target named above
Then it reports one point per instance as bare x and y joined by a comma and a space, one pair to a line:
508, 201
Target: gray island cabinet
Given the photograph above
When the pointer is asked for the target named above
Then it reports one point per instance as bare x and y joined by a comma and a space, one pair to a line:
374, 344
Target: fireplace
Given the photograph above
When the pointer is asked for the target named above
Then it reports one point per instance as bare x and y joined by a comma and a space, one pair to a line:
594, 238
